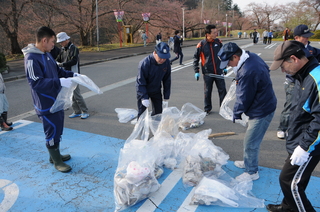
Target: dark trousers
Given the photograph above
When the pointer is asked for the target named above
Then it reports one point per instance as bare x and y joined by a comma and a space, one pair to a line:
285, 114
156, 102
208, 85
53, 127
265, 40
177, 57
269, 40
294, 181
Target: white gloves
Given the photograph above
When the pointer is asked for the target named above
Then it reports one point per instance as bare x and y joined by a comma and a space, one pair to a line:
60, 64
145, 102
65, 82
299, 156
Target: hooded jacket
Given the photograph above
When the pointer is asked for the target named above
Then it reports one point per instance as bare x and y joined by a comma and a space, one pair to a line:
43, 77
304, 122
254, 93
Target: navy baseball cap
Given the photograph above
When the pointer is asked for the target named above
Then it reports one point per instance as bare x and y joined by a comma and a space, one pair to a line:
302, 30
226, 53
163, 50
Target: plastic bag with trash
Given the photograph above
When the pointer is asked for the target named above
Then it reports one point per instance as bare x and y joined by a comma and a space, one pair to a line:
213, 191
125, 114
191, 116
225, 110
64, 98
135, 177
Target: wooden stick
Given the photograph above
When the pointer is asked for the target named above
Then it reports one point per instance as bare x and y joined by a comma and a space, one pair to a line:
221, 134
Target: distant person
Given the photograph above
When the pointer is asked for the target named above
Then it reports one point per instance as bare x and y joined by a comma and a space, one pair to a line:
245, 34
158, 38
255, 98
154, 73
170, 42
177, 40
144, 38
255, 36
265, 36
207, 50
302, 142
301, 34
286, 34
239, 34
270, 36
46, 79
69, 60
4, 106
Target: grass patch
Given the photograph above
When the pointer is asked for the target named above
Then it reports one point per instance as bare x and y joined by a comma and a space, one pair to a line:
106, 47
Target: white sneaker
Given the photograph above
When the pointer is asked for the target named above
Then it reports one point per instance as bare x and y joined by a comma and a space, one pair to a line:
246, 176
280, 134
239, 164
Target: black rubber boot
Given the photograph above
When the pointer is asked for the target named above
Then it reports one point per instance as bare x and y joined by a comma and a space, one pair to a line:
63, 157
57, 160
4, 126
5, 118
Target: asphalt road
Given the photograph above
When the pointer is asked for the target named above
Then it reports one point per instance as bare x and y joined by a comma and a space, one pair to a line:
116, 78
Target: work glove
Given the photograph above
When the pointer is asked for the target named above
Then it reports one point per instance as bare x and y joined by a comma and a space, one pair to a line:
299, 156
145, 102
60, 64
197, 75
165, 103
65, 82
234, 118
76, 74
225, 71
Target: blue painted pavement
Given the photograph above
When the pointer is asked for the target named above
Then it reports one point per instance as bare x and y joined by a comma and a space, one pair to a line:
28, 182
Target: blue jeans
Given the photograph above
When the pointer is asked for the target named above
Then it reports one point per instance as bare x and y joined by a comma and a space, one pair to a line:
252, 140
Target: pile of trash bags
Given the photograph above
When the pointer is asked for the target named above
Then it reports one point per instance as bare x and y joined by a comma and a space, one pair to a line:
156, 142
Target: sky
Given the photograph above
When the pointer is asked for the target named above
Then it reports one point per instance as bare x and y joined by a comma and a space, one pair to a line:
243, 3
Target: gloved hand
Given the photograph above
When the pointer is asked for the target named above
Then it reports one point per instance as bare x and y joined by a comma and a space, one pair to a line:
234, 118
299, 156
197, 75
225, 71
145, 102
60, 64
65, 82
165, 103
76, 74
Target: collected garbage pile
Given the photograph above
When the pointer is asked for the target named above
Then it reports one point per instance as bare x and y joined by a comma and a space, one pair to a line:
143, 158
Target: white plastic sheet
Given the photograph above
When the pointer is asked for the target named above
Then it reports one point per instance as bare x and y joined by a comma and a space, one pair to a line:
125, 114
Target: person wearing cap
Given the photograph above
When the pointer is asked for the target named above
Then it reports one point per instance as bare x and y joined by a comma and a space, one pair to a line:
46, 79
302, 142
69, 60
207, 50
154, 73
301, 34
255, 98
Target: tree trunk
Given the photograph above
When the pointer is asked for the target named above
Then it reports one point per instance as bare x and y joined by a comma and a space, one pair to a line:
15, 48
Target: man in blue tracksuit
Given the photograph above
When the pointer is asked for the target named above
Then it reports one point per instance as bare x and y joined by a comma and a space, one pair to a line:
154, 73
255, 98
302, 142
45, 79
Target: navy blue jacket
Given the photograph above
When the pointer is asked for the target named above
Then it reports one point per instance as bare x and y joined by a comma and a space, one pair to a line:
43, 76
152, 76
304, 121
254, 93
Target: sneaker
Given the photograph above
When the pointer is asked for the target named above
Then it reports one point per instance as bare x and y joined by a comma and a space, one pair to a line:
280, 134
84, 115
74, 115
208, 112
246, 176
277, 208
239, 164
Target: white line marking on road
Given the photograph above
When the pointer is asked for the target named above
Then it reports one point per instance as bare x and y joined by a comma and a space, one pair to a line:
23, 123
164, 190
11, 193
186, 207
